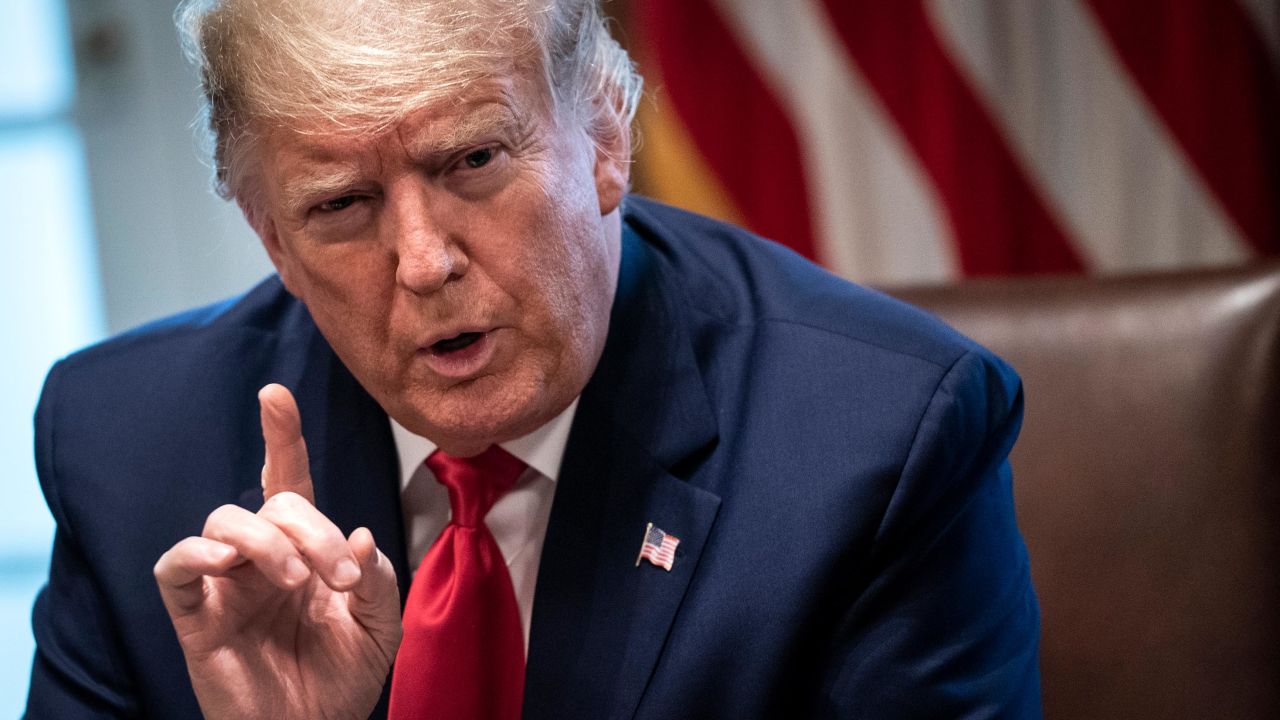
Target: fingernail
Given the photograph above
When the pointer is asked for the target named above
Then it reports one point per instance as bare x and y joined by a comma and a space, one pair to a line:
295, 571
346, 573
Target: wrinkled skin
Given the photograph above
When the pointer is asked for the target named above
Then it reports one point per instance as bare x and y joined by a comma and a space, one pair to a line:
494, 216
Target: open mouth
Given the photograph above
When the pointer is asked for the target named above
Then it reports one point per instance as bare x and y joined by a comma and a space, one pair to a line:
456, 343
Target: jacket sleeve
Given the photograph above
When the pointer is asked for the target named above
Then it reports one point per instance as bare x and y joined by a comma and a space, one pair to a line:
946, 624
77, 671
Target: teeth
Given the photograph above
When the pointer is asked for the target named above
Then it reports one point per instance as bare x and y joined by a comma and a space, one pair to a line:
456, 343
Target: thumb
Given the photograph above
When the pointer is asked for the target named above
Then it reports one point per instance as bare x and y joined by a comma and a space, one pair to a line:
286, 468
375, 600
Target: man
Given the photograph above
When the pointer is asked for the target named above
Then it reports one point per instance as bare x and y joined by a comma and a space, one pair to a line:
735, 486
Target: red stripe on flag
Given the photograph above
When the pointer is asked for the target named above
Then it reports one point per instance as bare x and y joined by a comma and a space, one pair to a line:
1001, 224
1206, 69
736, 122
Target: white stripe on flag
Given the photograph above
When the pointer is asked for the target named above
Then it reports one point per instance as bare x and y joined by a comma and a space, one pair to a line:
877, 215
1086, 134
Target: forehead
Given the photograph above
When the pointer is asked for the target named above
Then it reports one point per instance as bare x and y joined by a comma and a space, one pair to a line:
306, 157
499, 99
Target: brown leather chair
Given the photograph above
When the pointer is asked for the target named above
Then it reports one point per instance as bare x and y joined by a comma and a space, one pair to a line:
1147, 479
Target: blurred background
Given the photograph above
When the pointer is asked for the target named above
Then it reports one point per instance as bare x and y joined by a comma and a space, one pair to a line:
927, 140
898, 142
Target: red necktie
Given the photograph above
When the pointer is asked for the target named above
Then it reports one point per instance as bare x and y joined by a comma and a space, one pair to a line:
462, 655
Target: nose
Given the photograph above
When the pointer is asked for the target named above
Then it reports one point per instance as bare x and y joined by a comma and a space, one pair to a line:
427, 257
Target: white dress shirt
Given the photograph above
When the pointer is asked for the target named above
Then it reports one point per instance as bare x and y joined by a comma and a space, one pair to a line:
518, 520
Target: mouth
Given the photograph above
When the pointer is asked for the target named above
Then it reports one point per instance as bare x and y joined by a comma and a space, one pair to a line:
456, 343
462, 356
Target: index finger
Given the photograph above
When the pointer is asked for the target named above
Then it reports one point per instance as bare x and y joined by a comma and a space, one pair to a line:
286, 468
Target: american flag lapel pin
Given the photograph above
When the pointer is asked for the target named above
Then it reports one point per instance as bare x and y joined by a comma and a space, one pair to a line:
659, 548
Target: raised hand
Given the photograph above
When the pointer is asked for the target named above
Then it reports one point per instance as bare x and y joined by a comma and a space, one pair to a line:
279, 615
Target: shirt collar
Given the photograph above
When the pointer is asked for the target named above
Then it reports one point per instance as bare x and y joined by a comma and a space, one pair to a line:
542, 449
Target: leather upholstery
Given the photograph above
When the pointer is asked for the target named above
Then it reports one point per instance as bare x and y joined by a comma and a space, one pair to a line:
1147, 480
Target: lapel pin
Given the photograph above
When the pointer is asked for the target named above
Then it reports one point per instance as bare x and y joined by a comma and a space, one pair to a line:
659, 548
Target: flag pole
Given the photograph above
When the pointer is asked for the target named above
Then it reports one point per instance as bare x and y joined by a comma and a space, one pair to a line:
642, 542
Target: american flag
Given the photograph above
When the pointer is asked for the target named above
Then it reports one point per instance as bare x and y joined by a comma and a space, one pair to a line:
927, 140
658, 548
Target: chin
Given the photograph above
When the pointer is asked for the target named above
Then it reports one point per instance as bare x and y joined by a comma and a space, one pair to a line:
485, 411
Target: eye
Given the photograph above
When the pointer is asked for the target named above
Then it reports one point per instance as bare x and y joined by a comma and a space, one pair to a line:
336, 204
478, 158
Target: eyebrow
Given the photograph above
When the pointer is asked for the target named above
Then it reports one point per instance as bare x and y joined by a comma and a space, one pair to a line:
491, 117
298, 191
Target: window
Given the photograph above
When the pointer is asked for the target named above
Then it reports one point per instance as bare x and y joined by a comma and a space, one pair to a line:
49, 292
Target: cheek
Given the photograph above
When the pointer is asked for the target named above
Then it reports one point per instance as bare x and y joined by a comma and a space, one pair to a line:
342, 272
577, 299
570, 265
349, 296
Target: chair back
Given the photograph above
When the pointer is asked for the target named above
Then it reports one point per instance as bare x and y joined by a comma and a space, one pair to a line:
1147, 480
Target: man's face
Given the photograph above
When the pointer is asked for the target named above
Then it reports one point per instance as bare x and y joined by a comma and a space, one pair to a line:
462, 265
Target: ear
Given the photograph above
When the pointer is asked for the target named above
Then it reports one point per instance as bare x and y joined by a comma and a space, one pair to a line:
265, 227
613, 166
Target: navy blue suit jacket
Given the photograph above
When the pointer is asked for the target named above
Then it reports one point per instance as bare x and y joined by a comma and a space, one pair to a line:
833, 462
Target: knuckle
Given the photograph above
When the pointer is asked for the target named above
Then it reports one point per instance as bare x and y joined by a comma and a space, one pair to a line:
220, 517
172, 558
284, 502
311, 539
306, 526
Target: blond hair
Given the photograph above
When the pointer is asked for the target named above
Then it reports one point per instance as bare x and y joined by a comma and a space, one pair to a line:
361, 66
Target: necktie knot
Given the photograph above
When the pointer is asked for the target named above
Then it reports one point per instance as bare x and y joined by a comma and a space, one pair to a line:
475, 483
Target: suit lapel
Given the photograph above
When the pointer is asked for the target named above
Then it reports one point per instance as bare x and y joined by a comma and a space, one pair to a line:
599, 621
